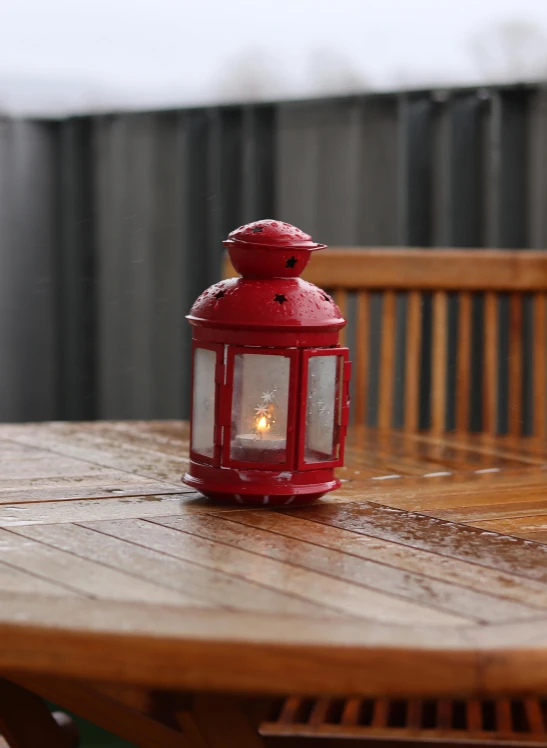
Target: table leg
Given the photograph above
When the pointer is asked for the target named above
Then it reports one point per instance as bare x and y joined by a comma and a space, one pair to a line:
223, 721
25, 721
103, 710
168, 719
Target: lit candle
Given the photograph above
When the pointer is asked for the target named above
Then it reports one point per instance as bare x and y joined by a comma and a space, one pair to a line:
261, 444
262, 426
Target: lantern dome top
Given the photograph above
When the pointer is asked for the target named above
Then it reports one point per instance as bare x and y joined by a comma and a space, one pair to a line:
274, 304
270, 249
272, 234
269, 305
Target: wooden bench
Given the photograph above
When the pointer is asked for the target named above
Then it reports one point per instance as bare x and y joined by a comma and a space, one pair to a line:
464, 279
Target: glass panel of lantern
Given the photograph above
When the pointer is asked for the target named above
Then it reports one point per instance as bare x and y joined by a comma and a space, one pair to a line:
323, 408
260, 405
203, 407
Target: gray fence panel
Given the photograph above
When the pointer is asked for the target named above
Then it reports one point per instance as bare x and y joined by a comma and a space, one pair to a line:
537, 175
515, 114
171, 266
466, 171
75, 269
337, 186
27, 271
259, 160
113, 284
319, 185
149, 264
111, 226
139, 271
379, 205
297, 149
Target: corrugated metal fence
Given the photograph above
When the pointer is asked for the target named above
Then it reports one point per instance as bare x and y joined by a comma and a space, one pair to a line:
111, 225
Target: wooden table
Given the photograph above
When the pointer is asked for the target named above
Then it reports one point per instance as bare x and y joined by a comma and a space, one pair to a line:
129, 599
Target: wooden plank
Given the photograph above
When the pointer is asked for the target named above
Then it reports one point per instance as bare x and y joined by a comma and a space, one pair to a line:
289, 710
108, 485
52, 512
362, 338
13, 579
380, 713
387, 361
490, 370
42, 468
319, 712
183, 581
439, 362
412, 362
429, 269
104, 711
308, 586
527, 451
539, 363
534, 716
271, 654
533, 528
463, 380
388, 451
515, 364
503, 716
351, 712
80, 575
444, 714
412, 560
398, 582
495, 551
414, 714
474, 716
107, 450
473, 515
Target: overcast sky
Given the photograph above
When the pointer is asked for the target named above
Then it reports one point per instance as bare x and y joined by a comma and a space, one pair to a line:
76, 53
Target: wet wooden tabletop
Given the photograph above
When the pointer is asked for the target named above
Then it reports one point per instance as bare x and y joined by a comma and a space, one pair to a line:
425, 573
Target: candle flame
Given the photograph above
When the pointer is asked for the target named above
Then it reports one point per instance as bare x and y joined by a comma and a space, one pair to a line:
262, 424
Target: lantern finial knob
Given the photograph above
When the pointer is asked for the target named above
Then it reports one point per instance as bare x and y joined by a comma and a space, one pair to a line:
270, 249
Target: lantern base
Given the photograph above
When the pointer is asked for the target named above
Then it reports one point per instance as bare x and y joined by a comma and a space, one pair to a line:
260, 487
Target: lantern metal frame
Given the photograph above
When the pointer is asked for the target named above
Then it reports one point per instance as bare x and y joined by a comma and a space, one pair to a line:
226, 408
341, 405
296, 406
218, 349
241, 316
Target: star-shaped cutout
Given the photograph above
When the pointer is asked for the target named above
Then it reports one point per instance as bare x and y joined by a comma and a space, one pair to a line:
220, 294
280, 298
268, 397
291, 262
261, 410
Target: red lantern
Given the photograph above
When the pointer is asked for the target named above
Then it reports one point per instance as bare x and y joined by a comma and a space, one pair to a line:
270, 391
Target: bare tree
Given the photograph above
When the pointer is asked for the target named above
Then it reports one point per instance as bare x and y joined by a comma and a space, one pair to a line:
331, 72
252, 76
511, 50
